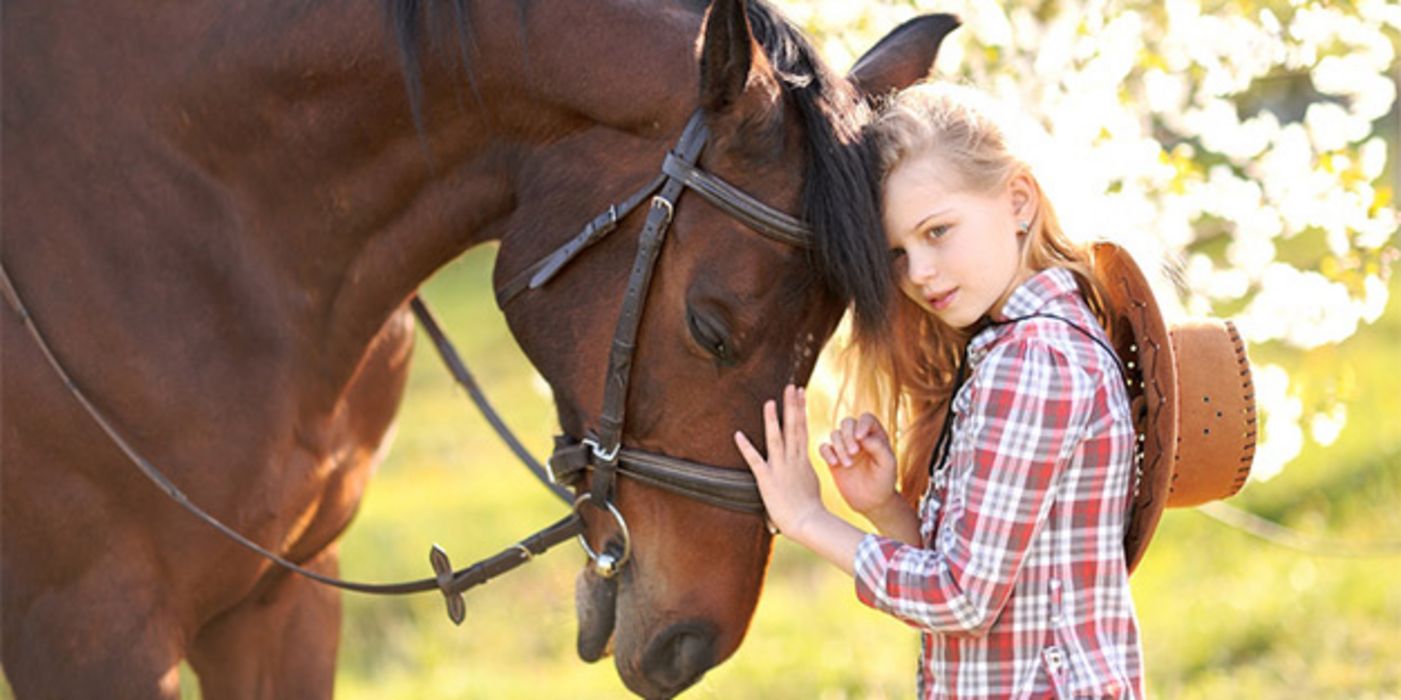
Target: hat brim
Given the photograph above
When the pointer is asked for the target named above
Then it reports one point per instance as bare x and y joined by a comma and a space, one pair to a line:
1140, 335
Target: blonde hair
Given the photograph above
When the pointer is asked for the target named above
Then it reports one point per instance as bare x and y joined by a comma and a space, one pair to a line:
905, 373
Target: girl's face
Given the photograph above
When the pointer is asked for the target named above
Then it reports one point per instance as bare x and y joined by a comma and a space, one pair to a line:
956, 253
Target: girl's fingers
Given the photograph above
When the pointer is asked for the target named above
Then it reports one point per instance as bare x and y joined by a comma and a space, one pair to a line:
773, 432
866, 426
828, 455
872, 435
839, 447
748, 451
849, 436
798, 419
873, 445
869, 432
876, 428
791, 417
803, 416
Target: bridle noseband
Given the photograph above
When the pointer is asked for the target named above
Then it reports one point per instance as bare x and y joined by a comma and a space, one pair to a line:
600, 451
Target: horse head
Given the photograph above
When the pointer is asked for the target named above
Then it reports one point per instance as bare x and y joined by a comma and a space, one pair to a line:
730, 315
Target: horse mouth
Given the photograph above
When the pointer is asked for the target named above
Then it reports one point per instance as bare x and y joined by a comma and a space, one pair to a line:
595, 600
669, 663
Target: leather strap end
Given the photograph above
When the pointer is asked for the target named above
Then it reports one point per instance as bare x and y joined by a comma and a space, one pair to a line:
569, 461
443, 574
550, 268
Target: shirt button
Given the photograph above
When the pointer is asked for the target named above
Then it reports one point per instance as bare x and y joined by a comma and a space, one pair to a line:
1055, 584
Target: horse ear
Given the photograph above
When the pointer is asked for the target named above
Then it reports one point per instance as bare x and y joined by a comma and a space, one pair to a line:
904, 57
728, 55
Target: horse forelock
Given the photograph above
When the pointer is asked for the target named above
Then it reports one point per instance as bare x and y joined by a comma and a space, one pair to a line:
840, 200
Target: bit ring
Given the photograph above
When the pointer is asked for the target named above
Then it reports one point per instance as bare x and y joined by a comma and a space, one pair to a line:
615, 565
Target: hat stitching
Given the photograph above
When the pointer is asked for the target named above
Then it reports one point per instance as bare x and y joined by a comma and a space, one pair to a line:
1248, 390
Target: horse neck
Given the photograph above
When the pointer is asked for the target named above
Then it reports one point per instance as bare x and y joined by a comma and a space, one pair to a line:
305, 133
495, 96
349, 198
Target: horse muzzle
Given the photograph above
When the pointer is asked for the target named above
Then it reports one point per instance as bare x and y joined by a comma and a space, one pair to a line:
653, 665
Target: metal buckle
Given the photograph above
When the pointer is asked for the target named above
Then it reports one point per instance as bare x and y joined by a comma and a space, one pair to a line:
608, 456
550, 472
604, 563
666, 204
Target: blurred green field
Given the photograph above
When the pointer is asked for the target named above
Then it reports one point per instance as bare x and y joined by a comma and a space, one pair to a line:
1223, 614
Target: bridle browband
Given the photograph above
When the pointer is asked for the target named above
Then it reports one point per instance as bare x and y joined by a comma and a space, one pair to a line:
601, 451
679, 169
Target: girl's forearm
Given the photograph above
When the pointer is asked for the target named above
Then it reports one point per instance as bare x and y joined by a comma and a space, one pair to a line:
830, 537
897, 520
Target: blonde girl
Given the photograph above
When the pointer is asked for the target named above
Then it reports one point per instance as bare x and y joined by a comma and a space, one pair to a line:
999, 532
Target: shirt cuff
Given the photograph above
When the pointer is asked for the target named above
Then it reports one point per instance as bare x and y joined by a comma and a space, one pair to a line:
871, 566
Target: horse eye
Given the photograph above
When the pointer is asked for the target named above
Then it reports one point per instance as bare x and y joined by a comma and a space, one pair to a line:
712, 335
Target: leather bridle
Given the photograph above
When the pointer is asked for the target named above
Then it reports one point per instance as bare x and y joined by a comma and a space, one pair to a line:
601, 451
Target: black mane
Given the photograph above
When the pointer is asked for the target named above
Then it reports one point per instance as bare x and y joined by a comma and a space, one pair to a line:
840, 200
407, 21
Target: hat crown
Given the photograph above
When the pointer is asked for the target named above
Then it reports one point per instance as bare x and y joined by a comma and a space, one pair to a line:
1216, 422
1192, 399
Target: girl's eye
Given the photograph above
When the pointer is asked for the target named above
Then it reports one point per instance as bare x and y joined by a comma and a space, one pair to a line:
934, 233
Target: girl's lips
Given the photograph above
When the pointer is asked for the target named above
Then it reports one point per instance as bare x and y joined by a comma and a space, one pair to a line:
939, 302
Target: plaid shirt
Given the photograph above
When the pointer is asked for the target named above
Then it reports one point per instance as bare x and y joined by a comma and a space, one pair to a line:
1021, 589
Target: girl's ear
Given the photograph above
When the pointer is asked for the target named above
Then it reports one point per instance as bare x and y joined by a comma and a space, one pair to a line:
1025, 196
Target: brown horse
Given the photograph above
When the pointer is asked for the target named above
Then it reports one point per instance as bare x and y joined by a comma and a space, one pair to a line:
217, 212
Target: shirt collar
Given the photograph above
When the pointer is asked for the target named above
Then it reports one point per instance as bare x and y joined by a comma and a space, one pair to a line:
1030, 297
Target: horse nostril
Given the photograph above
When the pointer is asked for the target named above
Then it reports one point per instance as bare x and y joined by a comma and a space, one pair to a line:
679, 656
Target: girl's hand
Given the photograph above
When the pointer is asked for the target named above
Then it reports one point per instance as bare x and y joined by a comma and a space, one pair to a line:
786, 480
862, 464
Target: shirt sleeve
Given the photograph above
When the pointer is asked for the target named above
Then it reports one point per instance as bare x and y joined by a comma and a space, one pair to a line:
1028, 406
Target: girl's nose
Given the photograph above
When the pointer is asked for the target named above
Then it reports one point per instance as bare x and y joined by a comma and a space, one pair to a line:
920, 267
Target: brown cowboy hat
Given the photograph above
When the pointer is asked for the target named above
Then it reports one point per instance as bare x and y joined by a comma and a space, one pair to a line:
1191, 395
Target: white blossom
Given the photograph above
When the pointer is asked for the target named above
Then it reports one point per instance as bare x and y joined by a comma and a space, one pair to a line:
1279, 421
1326, 426
1302, 308
1374, 298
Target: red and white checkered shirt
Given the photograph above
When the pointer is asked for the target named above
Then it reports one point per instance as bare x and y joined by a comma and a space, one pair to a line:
1021, 589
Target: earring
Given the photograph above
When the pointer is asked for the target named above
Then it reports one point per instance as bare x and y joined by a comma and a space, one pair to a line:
1023, 227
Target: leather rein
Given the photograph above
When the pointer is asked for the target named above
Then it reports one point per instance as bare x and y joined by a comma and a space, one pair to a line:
600, 451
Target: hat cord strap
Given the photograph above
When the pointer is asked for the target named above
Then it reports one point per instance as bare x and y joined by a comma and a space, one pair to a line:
1118, 361
941, 446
